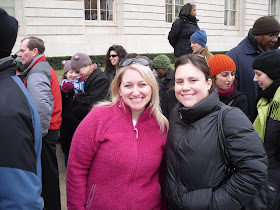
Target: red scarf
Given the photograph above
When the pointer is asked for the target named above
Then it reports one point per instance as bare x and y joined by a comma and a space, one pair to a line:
226, 92
90, 72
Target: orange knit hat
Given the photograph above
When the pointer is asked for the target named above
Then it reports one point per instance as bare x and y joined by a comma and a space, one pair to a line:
219, 63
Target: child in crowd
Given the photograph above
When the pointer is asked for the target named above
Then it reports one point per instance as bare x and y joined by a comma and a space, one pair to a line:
70, 79
70, 84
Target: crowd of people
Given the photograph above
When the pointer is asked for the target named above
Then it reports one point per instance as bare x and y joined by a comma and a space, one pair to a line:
141, 135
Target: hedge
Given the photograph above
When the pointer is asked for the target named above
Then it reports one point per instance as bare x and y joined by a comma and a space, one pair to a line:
56, 62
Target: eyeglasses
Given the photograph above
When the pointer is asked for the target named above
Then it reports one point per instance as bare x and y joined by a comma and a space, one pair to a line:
114, 55
129, 61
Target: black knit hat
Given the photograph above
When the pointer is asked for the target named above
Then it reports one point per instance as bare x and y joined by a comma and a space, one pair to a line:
8, 35
265, 25
269, 63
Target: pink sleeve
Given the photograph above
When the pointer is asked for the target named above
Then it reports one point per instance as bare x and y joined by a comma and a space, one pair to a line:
83, 149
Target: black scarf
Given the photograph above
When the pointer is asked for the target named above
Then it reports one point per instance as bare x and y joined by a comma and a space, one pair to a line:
191, 18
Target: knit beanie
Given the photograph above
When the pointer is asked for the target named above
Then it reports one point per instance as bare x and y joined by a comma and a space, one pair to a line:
269, 63
199, 37
8, 35
80, 60
161, 62
219, 63
265, 25
66, 66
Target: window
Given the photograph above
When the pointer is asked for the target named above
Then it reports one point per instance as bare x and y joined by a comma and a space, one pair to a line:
230, 13
172, 9
99, 10
9, 6
272, 8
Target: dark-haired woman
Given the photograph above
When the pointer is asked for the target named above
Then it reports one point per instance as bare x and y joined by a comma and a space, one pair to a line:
114, 55
182, 29
267, 123
196, 175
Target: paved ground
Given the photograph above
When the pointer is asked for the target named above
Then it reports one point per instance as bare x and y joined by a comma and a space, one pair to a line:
62, 176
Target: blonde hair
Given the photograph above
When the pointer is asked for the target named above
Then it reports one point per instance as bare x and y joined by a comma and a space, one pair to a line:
62, 77
147, 74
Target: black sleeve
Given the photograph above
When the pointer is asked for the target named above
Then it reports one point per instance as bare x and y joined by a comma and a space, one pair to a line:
174, 32
242, 104
96, 92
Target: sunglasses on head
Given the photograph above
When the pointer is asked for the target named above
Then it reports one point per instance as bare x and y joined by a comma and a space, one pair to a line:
114, 55
129, 61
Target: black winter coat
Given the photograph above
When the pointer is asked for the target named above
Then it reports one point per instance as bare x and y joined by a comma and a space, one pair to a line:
69, 121
111, 75
96, 88
238, 99
168, 83
195, 166
180, 33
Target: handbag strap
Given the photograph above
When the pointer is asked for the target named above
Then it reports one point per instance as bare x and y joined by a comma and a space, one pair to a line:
221, 135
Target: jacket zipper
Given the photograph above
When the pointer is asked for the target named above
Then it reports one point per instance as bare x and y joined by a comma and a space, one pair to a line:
134, 165
177, 169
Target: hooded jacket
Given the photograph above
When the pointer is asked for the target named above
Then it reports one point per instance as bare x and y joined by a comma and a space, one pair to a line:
20, 143
114, 164
195, 165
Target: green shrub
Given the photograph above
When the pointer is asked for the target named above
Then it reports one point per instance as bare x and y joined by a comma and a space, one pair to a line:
56, 62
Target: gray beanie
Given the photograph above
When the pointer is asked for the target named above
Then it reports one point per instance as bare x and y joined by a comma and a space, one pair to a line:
66, 66
80, 60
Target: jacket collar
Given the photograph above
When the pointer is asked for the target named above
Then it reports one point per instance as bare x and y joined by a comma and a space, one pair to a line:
200, 110
7, 67
252, 45
39, 58
170, 74
126, 111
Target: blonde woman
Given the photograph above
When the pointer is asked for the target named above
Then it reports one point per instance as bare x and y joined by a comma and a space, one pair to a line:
116, 154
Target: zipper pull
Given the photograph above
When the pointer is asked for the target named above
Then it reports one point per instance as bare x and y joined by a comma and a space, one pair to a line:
180, 115
135, 129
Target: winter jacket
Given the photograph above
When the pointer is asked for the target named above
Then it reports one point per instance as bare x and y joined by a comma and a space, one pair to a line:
165, 84
111, 75
243, 56
208, 55
78, 86
20, 143
69, 121
195, 165
267, 124
42, 84
237, 99
113, 164
96, 88
180, 33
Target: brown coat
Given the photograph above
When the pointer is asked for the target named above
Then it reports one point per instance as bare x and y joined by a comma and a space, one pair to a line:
207, 54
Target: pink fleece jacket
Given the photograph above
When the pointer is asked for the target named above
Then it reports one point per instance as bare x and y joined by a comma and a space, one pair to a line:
113, 164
